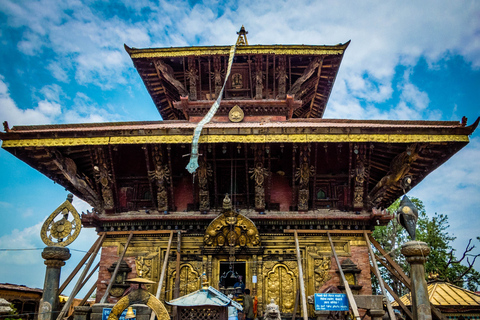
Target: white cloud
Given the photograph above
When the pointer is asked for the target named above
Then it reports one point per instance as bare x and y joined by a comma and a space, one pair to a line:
26, 239
49, 109
44, 113
453, 190
22, 262
89, 43
4, 204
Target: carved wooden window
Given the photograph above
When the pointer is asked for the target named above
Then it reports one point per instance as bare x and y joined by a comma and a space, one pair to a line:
321, 194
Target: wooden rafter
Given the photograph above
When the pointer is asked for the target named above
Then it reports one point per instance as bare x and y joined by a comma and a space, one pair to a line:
306, 75
319, 73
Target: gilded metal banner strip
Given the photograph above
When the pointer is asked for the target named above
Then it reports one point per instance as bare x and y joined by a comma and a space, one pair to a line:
250, 138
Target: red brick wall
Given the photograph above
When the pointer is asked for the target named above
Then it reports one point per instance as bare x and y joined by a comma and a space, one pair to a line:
281, 192
360, 258
184, 193
107, 258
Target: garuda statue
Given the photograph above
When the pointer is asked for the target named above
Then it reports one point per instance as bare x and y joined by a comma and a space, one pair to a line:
407, 216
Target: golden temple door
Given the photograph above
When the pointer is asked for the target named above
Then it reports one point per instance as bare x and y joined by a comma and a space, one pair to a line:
280, 285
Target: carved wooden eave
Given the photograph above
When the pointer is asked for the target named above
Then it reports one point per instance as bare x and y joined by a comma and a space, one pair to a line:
274, 222
252, 108
308, 74
46, 148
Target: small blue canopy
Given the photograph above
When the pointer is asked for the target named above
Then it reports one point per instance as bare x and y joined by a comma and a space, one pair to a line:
205, 297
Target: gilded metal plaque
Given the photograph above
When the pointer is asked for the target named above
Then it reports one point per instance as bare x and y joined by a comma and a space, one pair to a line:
236, 114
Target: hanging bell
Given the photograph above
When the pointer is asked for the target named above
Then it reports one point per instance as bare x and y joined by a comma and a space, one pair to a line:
130, 314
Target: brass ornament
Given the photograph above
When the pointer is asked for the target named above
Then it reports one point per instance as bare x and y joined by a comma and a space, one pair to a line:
236, 114
139, 296
231, 229
61, 228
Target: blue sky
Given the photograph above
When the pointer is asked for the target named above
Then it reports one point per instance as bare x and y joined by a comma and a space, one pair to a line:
63, 61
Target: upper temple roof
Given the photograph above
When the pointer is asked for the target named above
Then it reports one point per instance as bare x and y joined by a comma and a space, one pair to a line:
185, 81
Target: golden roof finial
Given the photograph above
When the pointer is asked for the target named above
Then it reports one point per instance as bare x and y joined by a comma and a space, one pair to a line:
242, 37
227, 203
205, 283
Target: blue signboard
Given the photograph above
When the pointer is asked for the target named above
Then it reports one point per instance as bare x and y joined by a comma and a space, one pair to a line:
331, 302
106, 313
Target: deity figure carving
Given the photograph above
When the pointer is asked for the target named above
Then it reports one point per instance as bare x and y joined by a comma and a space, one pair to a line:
321, 272
258, 77
231, 229
192, 75
237, 81
360, 175
161, 176
143, 264
259, 172
303, 174
204, 174
282, 77
104, 177
217, 75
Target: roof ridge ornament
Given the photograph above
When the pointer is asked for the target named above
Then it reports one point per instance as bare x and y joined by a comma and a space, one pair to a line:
242, 37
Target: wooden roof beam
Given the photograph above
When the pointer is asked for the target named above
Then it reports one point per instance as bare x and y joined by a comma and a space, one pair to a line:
164, 71
319, 75
316, 63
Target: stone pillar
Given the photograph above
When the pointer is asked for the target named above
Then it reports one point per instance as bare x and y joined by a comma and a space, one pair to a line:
82, 313
416, 253
55, 258
376, 314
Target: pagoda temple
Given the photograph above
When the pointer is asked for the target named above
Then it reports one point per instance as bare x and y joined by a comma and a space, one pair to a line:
271, 171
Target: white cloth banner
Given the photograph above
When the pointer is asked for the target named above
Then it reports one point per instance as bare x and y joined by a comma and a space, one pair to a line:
193, 164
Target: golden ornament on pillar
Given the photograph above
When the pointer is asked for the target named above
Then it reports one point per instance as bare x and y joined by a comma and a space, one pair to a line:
63, 226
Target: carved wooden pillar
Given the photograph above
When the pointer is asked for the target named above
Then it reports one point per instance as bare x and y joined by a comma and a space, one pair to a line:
104, 178
260, 289
209, 269
359, 178
204, 173
161, 176
282, 77
217, 69
303, 174
258, 174
254, 272
204, 265
258, 77
192, 76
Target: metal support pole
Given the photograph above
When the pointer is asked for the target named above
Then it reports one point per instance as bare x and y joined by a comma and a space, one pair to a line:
77, 287
117, 267
162, 275
351, 299
300, 275
379, 277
